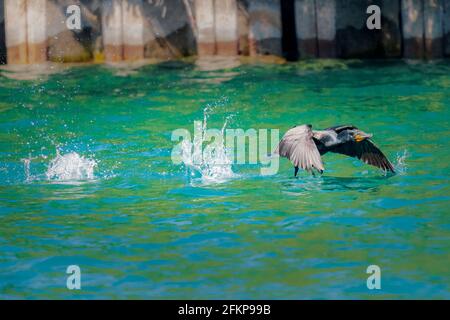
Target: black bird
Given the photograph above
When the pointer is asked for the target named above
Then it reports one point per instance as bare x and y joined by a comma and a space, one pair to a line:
304, 147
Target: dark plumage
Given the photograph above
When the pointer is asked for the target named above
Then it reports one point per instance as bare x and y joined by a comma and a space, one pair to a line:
304, 147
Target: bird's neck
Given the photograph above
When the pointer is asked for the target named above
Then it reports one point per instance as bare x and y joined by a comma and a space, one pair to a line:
344, 136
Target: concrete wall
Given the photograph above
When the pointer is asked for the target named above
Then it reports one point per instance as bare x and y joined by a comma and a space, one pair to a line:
33, 31
446, 21
337, 28
116, 30
16, 31
355, 40
306, 28
424, 28
391, 29
226, 27
217, 27
169, 30
72, 45
133, 30
37, 30
433, 28
206, 35
243, 27
2, 34
326, 13
265, 27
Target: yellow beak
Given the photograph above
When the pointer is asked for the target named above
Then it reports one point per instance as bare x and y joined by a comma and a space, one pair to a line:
362, 136
359, 138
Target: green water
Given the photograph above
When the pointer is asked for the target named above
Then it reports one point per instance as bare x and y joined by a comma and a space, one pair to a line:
144, 227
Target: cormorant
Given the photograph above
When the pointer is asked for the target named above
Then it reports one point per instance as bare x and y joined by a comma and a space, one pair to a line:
304, 147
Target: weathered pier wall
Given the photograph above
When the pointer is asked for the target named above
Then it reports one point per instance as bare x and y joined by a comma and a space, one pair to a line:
423, 28
2, 34
315, 22
136, 29
446, 21
355, 40
265, 27
25, 31
36, 31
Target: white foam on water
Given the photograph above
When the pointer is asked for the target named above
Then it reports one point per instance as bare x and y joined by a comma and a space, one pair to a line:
26, 168
215, 166
29, 177
400, 162
70, 166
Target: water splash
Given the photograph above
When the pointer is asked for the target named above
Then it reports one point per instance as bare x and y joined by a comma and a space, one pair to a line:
26, 168
70, 166
211, 164
29, 176
400, 162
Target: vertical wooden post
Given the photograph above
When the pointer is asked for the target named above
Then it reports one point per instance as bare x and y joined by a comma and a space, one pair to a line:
226, 27
16, 31
326, 28
112, 30
265, 27
433, 28
306, 28
133, 30
412, 26
204, 17
37, 31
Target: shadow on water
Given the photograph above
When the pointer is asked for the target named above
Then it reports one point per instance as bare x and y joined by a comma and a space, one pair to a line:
333, 184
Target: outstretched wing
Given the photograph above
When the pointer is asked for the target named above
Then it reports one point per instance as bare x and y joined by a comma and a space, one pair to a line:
298, 146
366, 151
340, 128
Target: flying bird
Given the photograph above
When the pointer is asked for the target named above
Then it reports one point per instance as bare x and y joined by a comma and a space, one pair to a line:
304, 147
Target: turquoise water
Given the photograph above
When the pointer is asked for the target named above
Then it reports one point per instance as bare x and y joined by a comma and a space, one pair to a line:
140, 226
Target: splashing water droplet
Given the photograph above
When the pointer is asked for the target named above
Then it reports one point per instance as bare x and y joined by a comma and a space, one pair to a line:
26, 167
400, 162
71, 166
212, 164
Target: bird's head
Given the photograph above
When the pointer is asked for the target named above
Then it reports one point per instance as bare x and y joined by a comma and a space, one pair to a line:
359, 135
